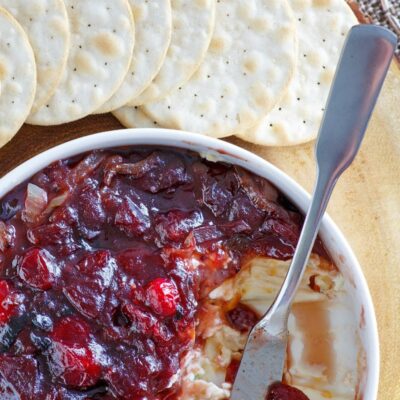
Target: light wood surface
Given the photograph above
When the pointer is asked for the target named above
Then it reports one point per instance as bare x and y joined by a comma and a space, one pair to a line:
365, 204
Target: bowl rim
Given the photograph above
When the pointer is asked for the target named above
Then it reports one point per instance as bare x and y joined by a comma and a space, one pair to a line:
214, 149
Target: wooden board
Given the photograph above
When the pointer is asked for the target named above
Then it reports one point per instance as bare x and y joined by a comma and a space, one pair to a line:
365, 204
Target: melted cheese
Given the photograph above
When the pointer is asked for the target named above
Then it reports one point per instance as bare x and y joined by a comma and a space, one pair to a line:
323, 345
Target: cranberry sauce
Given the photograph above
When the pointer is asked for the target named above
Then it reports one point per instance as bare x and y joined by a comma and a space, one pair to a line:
104, 258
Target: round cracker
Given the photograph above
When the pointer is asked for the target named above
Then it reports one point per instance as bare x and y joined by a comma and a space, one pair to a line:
245, 72
46, 24
101, 51
134, 117
192, 28
17, 76
153, 27
321, 28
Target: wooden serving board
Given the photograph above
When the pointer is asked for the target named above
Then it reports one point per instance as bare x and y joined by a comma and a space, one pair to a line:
365, 204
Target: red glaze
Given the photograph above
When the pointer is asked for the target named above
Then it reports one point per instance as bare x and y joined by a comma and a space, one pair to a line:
280, 391
232, 371
70, 359
8, 302
35, 269
104, 263
242, 318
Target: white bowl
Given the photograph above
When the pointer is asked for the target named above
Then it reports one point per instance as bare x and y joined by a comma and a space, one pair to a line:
223, 151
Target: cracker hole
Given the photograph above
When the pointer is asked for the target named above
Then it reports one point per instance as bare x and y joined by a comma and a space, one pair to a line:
201, 115
304, 122
298, 99
280, 109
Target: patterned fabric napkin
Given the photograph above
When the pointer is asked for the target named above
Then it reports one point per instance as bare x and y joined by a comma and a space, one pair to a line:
385, 13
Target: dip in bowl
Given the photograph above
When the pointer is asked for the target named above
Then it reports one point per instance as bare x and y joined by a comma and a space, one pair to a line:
135, 267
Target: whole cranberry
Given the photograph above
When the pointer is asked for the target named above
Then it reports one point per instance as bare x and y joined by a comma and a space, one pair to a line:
8, 302
70, 357
162, 296
36, 269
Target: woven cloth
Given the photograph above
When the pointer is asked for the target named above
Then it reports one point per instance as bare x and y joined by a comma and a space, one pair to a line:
385, 13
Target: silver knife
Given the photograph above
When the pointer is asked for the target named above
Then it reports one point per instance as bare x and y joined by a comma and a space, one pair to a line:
359, 76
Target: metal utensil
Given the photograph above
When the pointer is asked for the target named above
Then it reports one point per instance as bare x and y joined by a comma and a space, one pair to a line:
362, 68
